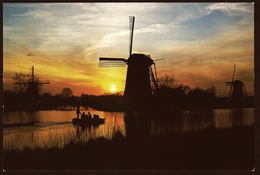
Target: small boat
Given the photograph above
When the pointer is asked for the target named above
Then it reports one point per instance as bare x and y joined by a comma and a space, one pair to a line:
87, 121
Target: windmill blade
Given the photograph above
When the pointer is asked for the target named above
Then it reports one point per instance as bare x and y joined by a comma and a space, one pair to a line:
111, 59
234, 73
160, 59
46, 82
132, 22
232, 80
244, 88
32, 73
228, 83
231, 88
23, 83
153, 78
112, 62
155, 72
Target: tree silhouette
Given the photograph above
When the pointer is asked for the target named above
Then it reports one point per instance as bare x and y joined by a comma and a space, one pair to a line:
66, 92
20, 80
167, 81
25, 83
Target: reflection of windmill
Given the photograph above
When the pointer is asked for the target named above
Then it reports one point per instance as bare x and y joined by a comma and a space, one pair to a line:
139, 71
33, 85
237, 87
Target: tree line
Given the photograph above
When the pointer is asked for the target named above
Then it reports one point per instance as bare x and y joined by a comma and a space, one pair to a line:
174, 95
170, 94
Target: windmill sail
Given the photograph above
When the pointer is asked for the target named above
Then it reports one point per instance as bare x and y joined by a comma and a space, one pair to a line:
112, 62
153, 77
132, 22
232, 81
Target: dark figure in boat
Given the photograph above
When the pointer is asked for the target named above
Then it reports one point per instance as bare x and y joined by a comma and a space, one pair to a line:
88, 119
83, 115
78, 112
96, 117
89, 116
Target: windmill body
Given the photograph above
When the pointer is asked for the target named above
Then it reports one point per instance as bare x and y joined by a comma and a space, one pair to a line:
138, 85
238, 89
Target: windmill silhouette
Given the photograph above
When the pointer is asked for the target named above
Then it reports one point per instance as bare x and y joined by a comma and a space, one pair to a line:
140, 73
33, 85
237, 87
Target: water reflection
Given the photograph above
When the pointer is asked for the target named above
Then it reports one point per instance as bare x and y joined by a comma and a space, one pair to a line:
199, 120
225, 118
41, 116
56, 130
48, 134
195, 120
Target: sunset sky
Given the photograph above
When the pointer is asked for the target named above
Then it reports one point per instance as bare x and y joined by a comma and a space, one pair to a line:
200, 43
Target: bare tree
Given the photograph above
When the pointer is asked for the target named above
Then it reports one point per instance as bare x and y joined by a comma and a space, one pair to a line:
167, 81
21, 81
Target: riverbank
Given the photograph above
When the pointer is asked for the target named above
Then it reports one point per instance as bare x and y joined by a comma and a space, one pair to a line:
210, 149
169, 100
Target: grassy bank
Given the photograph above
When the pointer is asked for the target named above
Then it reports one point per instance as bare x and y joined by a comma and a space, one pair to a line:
211, 149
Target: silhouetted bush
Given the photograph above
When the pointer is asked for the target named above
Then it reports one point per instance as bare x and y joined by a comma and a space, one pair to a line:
199, 98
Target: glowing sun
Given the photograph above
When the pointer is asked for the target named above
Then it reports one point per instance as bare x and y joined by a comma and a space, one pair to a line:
113, 88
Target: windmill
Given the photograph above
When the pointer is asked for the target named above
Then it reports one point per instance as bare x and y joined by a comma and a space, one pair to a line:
33, 85
237, 87
139, 72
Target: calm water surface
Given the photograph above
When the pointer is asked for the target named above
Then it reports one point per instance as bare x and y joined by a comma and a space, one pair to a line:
55, 129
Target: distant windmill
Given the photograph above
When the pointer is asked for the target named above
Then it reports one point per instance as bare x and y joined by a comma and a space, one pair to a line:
139, 71
237, 87
33, 85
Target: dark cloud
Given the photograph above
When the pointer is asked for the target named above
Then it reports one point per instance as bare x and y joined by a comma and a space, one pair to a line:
30, 54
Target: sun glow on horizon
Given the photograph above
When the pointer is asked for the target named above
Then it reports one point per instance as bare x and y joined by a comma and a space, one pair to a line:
113, 88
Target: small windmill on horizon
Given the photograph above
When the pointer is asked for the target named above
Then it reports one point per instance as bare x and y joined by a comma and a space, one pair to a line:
33, 85
237, 87
140, 72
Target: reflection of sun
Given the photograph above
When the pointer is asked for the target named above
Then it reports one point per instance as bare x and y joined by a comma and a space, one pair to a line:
113, 88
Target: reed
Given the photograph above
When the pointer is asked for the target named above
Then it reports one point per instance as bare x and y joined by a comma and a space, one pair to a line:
210, 149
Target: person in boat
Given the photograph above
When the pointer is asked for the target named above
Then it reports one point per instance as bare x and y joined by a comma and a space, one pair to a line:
78, 112
89, 115
83, 115
96, 117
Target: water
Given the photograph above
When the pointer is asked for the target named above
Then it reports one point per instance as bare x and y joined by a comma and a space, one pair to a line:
55, 129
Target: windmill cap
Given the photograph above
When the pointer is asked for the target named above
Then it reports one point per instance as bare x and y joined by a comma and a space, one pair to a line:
238, 82
139, 59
